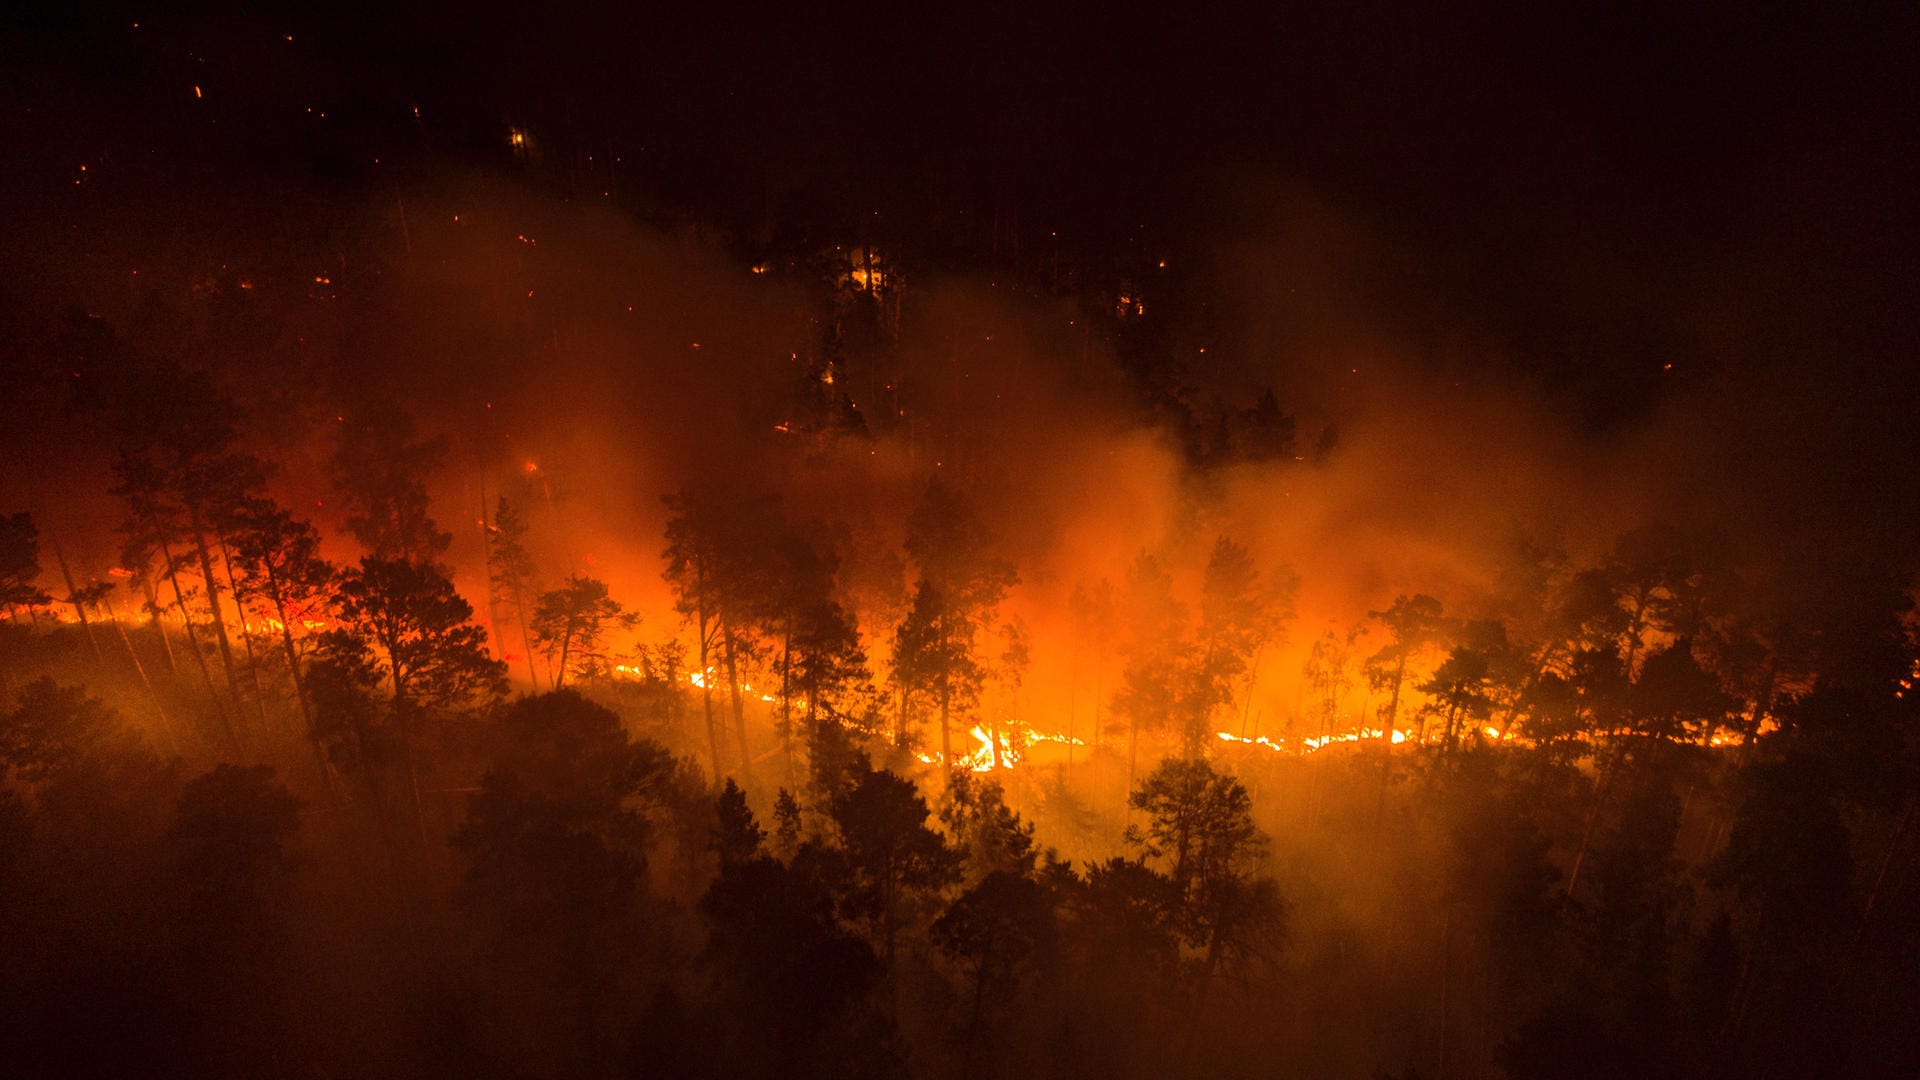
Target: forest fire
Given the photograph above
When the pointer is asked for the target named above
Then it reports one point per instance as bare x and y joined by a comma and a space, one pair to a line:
964, 545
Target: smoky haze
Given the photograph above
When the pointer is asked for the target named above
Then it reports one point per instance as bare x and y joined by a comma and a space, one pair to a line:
993, 543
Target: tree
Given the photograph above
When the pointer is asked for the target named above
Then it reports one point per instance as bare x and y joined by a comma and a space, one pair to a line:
1157, 654
182, 471
154, 526
1460, 690
278, 557
990, 836
895, 863
1238, 614
992, 932
960, 585
556, 846
91, 780
794, 991
1649, 583
718, 566
828, 664
1009, 671
1328, 677
570, 623
820, 660
421, 633
1675, 698
229, 835
510, 573
380, 471
1199, 824
229, 876
405, 653
1413, 624
1092, 609
20, 563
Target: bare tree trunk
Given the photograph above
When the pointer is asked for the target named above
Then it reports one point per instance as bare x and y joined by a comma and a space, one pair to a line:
1133, 759
973, 1015
946, 730
300, 684
79, 609
153, 610
1880, 877
1386, 737
739, 708
213, 606
786, 697
486, 560
706, 697
526, 640
159, 710
566, 646
193, 642
1593, 817
1073, 697
246, 635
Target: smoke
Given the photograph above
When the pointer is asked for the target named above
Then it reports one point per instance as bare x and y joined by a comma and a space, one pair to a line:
585, 365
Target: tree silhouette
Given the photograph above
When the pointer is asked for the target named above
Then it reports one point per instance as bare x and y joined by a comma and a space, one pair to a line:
1199, 824
555, 843
155, 525
20, 563
718, 563
279, 563
1093, 614
380, 471
510, 572
1238, 614
1157, 653
795, 992
961, 582
992, 932
895, 863
570, 625
405, 653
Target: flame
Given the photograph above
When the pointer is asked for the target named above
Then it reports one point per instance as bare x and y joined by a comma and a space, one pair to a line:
1311, 743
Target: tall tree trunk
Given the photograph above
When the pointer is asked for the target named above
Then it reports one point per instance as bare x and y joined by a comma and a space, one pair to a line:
246, 635
973, 1014
739, 708
193, 644
706, 697
213, 606
159, 628
73, 597
407, 721
946, 730
526, 639
1133, 760
486, 560
1593, 817
1386, 737
299, 683
166, 725
786, 696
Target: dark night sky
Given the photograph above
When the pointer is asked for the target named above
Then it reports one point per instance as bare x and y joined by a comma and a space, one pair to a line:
1598, 190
